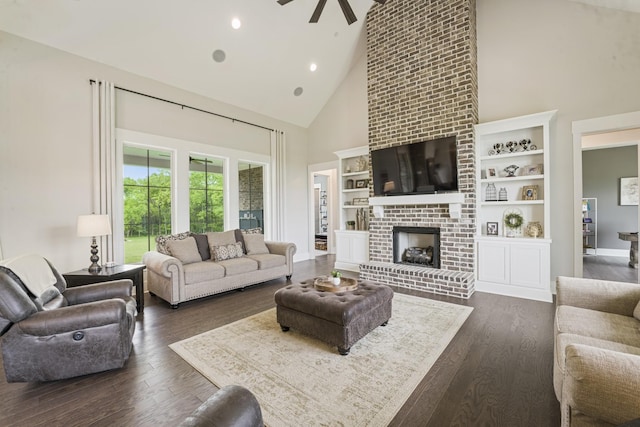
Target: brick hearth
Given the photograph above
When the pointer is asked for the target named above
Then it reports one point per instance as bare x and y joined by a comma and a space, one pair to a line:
422, 84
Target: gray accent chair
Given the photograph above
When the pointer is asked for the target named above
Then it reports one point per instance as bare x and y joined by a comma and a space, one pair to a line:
65, 332
231, 406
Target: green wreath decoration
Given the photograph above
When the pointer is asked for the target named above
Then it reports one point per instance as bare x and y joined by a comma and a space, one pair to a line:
513, 220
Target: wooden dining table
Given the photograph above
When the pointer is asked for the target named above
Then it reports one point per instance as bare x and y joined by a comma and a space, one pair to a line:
633, 251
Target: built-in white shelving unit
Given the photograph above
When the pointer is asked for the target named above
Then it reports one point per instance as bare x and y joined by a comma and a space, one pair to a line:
352, 239
590, 226
513, 262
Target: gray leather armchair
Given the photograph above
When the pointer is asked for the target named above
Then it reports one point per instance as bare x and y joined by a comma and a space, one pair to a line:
64, 333
231, 406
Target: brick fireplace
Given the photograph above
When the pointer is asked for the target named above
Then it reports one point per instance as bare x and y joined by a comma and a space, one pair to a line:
422, 84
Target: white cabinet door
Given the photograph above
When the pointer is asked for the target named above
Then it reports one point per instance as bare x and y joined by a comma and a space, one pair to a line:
352, 249
343, 247
493, 262
360, 248
530, 265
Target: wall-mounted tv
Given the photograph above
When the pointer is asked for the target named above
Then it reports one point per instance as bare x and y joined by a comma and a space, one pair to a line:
420, 168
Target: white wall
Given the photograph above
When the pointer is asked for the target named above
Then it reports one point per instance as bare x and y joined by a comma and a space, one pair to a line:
343, 122
45, 145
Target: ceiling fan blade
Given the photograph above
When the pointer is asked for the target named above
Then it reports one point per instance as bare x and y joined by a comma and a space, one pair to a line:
348, 12
283, 2
316, 13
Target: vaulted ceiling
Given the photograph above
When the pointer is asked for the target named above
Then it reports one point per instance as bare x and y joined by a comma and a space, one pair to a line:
266, 61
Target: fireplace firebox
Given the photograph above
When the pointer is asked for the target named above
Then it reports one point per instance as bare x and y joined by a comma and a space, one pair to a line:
417, 246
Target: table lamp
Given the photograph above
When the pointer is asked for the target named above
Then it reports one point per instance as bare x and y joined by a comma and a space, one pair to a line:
92, 226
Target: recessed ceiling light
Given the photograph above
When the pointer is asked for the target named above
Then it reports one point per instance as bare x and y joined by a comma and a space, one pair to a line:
236, 23
313, 66
298, 91
219, 55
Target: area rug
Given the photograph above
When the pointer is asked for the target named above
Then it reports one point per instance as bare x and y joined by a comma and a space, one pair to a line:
300, 381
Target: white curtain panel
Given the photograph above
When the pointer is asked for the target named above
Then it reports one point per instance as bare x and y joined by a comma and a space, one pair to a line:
104, 159
278, 189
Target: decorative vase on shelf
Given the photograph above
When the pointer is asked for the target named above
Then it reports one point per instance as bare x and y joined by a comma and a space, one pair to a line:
502, 195
491, 194
534, 229
511, 170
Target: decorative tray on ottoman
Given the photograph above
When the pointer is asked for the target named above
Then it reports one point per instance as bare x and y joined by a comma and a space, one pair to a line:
326, 284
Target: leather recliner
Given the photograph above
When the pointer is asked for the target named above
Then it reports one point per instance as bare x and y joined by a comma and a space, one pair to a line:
231, 406
64, 333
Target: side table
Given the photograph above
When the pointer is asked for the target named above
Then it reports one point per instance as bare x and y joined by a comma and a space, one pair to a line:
125, 271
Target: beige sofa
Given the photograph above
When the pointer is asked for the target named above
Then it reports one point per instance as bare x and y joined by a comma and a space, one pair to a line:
188, 266
596, 369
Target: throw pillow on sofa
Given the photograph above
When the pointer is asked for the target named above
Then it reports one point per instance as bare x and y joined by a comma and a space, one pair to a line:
223, 252
185, 250
161, 241
220, 238
254, 244
203, 246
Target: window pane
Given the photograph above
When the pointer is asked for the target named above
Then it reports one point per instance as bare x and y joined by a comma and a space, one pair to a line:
251, 187
147, 200
206, 199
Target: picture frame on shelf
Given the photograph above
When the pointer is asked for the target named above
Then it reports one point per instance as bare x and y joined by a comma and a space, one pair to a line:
360, 201
492, 172
629, 191
530, 192
362, 183
532, 170
492, 228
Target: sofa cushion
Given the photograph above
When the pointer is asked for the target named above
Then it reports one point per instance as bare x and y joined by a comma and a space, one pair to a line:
161, 241
202, 271
223, 252
203, 246
267, 261
257, 230
185, 250
220, 238
563, 340
598, 324
239, 265
254, 244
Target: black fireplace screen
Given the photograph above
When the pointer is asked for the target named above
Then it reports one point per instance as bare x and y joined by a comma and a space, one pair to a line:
417, 246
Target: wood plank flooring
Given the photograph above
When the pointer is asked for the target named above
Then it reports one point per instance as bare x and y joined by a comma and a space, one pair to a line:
608, 268
497, 371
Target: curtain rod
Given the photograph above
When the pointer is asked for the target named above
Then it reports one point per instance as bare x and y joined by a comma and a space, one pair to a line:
91, 81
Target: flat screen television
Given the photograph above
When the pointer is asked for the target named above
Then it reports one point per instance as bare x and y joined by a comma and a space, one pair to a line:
425, 167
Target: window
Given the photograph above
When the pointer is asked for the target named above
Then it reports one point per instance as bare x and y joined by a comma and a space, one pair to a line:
206, 194
147, 199
250, 185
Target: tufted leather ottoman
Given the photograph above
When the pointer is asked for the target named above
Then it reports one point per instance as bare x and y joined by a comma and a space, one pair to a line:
340, 318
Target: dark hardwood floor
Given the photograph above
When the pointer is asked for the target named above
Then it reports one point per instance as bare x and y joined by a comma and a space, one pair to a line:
608, 268
497, 371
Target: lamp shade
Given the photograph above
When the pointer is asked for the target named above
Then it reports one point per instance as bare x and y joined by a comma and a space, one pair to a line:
93, 225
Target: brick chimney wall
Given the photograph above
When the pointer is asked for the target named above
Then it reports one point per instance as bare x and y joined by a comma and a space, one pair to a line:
422, 84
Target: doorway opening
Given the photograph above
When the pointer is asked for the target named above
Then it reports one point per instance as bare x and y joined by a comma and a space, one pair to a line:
606, 162
322, 208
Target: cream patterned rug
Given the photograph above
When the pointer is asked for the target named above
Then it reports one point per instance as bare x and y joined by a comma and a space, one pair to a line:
300, 381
